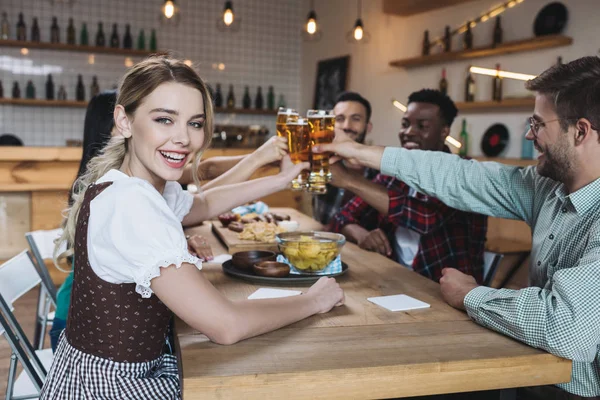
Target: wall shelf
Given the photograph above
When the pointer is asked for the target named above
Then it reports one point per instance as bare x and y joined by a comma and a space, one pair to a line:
405, 8
83, 104
523, 104
74, 47
536, 43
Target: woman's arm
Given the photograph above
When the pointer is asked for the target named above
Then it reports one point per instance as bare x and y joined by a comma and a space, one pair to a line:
195, 300
211, 168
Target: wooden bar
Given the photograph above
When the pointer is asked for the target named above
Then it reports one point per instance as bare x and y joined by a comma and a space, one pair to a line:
522, 104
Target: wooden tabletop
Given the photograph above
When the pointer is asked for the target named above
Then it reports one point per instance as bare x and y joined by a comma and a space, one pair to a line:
360, 350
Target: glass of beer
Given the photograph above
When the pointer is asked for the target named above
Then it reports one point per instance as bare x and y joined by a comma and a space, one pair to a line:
283, 114
320, 124
299, 144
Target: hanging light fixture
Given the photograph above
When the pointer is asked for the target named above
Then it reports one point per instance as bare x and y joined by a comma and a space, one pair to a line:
169, 12
228, 20
358, 34
311, 31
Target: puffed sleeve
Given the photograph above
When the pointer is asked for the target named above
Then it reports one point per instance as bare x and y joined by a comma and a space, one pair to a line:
133, 233
178, 200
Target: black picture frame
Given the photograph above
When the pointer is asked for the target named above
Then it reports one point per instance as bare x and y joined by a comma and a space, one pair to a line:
331, 80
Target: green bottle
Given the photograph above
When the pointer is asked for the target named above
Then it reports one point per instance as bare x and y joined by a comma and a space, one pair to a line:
153, 40
281, 102
141, 44
83, 39
30, 90
464, 140
271, 98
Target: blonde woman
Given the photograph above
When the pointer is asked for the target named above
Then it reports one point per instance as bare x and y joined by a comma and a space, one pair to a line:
132, 267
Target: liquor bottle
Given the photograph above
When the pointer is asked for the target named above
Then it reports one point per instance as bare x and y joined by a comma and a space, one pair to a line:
526, 145
246, 100
559, 61
497, 85
83, 38
218, 100
1, 90
21, 34
94, 88
4, 27
444, 82
80, 89
62, 93
469, 87
447, 39
258, 100
114, 37
230, 98
141, 43
468, 37
497, 33
127, 40
49, 88
271, 98
153, 45
464, 140
54, 32
100, 39
71, 32
16, 91
30, 90
35, 31
426, 44
281, 100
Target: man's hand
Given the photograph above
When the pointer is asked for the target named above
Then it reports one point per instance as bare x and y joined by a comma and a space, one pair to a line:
198, 246
377, 241
455, 285
340, 176
354, 153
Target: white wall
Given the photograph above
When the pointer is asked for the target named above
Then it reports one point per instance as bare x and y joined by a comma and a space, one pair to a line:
266, 51
394, 37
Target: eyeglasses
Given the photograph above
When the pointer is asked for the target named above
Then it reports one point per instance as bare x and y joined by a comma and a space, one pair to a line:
534, 125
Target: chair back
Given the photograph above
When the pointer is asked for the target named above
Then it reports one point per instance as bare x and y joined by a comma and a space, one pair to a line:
41, 243
17, 277
491, 261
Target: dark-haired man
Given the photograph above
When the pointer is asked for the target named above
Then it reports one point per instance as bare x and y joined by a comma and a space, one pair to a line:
558, 198
353, 118
392, 218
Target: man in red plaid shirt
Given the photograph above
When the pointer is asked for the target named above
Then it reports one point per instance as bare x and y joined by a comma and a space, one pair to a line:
389, 217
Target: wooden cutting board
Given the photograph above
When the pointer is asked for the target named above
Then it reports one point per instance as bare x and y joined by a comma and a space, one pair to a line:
235, 244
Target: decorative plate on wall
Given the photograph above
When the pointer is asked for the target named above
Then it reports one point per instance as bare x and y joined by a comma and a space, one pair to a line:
494, 140
551, 19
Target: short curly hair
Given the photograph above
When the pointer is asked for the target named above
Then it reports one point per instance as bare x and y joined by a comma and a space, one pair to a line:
447, 107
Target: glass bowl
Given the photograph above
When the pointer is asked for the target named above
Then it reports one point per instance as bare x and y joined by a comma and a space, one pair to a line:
310, 252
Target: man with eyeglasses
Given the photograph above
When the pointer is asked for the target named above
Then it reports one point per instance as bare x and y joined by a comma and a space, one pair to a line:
390, 217
559, 198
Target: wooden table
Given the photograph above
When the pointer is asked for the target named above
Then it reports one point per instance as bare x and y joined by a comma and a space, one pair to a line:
360, 350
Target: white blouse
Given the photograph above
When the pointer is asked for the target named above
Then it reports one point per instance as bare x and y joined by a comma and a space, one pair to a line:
133, 230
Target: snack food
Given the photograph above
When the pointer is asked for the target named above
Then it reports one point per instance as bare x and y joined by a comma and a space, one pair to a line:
228, 218
260, 231
309, 253
236, 226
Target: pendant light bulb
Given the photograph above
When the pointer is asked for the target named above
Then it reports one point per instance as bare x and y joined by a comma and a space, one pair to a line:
358, 30
169, 9
311, 23
228, 16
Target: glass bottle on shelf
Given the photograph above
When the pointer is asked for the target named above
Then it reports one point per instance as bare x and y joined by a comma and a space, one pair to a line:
281, 100
153, 45
426, 44
246, 100
497, 39
54, 32
49, 88
464, 140
141, 42
127, 40
444, 82
80, 89
470, 87
30, 90
21, 34
559, 61
497, 85
16, 91
526, 144
218, 96
4, 27
62, 93
94, 88
447, 39
271, 98
83, 38
1, 90
100, 39
71, 32
230, 98
468, 37
259, 101
114, 37
35, 30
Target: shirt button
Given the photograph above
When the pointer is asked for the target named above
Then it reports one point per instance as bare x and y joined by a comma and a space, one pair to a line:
551, 236
539, 263
564, 210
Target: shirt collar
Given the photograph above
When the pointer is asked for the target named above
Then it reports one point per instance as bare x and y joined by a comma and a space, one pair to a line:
112, 175
585, 198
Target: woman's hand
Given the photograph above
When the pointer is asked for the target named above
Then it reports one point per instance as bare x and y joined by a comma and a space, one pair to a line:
198, 247
289, 170
271, 151
326, 293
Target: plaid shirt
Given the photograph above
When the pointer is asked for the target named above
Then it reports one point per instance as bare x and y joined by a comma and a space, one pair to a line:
449, 237
560, 311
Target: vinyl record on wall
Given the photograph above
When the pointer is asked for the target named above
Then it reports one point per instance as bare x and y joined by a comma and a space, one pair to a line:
551, 19
494, 140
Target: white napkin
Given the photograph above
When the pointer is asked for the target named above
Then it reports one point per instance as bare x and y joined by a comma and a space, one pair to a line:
268, 293
398, 302
220, 259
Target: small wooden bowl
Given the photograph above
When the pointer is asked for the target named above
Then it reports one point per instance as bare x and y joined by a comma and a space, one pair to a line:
246, 259
272, 269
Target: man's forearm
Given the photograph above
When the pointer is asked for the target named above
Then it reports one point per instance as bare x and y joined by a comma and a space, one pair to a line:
370, 156
372, 193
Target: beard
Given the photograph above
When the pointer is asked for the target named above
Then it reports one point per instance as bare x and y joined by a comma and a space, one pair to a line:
557, 161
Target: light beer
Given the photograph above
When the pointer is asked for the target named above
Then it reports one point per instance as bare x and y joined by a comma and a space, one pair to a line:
299, 146
283, 114
321, 126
